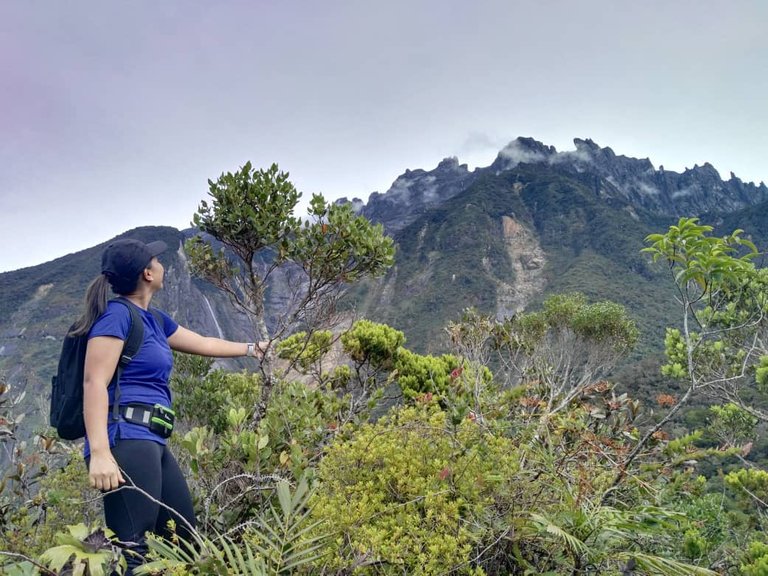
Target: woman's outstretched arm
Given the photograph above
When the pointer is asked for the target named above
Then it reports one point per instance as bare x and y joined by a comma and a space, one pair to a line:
184, 340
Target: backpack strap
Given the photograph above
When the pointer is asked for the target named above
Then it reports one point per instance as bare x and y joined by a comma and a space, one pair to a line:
133, 343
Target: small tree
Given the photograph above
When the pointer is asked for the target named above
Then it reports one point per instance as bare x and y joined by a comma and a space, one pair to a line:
723, 305
560, 350
251, 214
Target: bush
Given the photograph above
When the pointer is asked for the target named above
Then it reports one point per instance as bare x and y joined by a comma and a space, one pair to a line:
413, 494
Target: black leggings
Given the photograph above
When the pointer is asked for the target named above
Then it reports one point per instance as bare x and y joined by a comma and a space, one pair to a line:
129, 513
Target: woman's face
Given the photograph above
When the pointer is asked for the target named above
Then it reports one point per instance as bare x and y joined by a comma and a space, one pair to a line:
158, 273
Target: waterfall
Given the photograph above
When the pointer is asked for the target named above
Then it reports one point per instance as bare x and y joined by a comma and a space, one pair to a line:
216, 322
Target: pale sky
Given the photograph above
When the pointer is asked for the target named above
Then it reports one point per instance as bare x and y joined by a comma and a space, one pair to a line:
114, 114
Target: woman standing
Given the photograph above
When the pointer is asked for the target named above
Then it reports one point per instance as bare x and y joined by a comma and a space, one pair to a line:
127, 446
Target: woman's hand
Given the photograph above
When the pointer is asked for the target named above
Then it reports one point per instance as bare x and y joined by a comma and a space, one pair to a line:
103, 471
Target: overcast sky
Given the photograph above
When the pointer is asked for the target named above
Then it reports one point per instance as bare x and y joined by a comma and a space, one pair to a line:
114, 114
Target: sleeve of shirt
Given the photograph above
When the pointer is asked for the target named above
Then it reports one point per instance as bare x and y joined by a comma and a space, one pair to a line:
116, 322
169, 324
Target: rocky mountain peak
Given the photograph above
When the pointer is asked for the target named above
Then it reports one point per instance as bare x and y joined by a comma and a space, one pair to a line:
523, 150
451, 165
635, 180
606, 160
414, 191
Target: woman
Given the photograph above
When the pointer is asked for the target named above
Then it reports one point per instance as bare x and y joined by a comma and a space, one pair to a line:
131, 450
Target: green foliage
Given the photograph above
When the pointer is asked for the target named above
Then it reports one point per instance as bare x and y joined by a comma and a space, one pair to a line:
288, 439
722, 301
456, 480
371, 343
564, 348
299, 420
524, 503
249, 210
287, 537
751, 485
704, 260
761, 373
605, 536
303, 351
601, 322
84, 549
419, 374
251, 213
221, 556
694, 545
677, 354
276, 543
732, 425
723, 305
204, 396
408, 494
43, 491
339, 246
755, 560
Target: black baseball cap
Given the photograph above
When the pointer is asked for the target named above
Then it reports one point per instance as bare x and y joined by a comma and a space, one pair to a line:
127, 258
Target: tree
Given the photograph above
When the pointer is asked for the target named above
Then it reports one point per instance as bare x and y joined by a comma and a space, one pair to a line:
560, 350
251, 215
723, 305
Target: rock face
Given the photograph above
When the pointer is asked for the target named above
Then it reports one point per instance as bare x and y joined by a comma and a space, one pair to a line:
415, 192
528, 260
696, 191
198, 306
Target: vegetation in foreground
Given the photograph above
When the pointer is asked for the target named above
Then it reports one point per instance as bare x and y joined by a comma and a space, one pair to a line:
348, 453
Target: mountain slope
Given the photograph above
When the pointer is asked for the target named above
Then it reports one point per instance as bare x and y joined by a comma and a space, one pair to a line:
535, 222
508, 240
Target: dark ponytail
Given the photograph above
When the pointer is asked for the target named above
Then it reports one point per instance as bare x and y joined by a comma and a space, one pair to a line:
96, 298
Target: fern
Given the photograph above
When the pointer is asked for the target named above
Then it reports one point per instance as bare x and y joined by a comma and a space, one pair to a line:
576, 545
646, 563
220, 557
287, 540
282, 542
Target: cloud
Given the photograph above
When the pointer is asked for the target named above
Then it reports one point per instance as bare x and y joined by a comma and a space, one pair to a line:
577, 155
479, 149
683, 192
430, 189
646, 189
400, 191
516, 154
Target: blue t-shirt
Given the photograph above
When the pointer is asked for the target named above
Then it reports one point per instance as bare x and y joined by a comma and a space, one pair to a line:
145, 378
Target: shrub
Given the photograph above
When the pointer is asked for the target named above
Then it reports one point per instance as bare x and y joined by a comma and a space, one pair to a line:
413, 494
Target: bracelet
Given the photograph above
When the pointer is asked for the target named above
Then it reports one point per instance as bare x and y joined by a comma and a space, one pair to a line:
251, 349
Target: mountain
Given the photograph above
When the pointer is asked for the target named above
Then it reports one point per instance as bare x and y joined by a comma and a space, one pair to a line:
661, 192
538, 221
499, 238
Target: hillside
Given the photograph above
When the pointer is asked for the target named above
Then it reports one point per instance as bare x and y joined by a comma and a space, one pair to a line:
538, 221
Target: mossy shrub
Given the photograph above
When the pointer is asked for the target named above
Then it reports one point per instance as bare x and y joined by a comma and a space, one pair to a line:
412, 493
